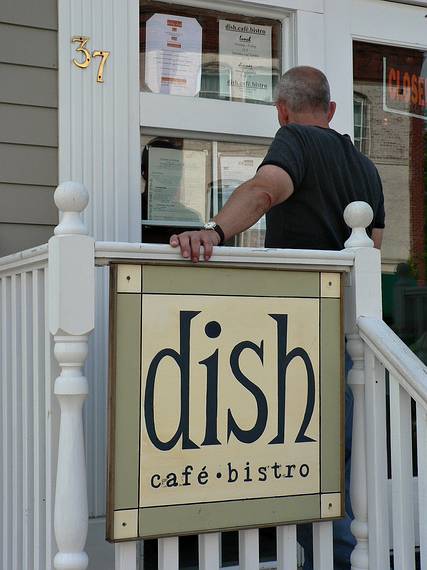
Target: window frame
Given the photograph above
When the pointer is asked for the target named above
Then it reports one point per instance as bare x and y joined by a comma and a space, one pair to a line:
363, 141
214, 116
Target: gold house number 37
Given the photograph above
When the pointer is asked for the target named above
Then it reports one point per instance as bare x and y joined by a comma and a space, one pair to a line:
86, 56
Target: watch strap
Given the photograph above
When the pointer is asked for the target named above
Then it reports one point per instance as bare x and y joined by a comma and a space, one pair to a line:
219, 231
211, 225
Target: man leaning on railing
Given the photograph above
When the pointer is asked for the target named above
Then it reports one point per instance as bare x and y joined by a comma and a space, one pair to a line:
308, 177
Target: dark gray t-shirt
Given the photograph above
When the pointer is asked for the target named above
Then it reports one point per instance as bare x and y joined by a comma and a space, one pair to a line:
328, 173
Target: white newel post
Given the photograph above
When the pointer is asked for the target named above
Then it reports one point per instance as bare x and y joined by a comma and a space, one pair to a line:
363, 298
71, 319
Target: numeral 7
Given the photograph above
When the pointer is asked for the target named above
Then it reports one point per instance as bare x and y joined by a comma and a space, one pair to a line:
82, 41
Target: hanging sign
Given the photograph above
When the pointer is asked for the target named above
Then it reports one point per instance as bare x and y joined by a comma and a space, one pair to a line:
173, 56
245, 52
404, 89
226, 399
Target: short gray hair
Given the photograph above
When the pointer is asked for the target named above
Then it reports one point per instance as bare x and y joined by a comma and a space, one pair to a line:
304, 89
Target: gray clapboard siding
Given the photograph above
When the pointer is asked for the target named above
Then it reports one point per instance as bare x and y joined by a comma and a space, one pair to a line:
28, 122
24, 164
34, 13
28, 46
17, 237
28, 125
27, 204
23, 85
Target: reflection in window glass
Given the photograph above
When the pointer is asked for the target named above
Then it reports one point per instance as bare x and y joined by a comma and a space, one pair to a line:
185, 182
361, 122
206, 53
394, 81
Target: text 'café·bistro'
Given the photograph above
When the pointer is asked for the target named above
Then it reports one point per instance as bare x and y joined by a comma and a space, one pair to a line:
162, 109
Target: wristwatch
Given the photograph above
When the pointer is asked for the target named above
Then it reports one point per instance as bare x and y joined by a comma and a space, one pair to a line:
212, 225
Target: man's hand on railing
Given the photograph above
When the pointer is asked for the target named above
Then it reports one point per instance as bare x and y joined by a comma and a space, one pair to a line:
190, 243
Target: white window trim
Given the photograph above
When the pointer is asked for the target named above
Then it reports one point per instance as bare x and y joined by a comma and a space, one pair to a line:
215, 116
207, 115
366, 16
265, 8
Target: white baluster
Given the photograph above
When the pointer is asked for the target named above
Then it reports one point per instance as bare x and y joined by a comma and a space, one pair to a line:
323, 555
287, 547
210, 551
71, 319
249, 549
422, 481
125, 554
401, 477
363, 298
71, 511
359, 491
168, 552
376, 456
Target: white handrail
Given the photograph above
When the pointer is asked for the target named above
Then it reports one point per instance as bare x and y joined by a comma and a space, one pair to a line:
15, 262
344, 259
393, 353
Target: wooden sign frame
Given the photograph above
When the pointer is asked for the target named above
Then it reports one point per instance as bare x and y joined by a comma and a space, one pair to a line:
198, 439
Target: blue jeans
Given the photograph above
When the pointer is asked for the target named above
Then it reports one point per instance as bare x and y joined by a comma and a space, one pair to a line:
344, 541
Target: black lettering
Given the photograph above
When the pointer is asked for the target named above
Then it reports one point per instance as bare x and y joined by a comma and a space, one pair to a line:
289, 469
283, 361
276, 466
157, 477
171, 480
233, 474
262, 472
247, 472
304, 470
186, 475
202, 478
211, 433
252, 434
182, 359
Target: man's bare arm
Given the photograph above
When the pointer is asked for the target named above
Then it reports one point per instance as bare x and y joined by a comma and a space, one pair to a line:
377, 237
248, 203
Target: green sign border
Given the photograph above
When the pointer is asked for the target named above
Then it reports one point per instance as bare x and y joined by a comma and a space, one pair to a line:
125, 409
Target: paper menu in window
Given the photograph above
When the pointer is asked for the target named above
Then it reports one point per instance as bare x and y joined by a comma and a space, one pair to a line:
173, 56
245, 50
240, 168
176, 185
233, 171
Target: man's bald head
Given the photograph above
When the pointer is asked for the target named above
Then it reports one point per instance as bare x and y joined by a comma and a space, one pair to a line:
304, 90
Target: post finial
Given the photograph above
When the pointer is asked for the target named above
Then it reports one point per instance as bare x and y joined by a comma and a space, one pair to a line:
358, 215
71, 198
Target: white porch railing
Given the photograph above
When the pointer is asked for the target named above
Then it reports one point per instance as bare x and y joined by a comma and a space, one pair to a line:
400, 522
32, 443
28, 414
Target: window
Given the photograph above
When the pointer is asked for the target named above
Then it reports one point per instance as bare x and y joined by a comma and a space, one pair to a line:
389, 78
207, 80
186, 181
207, 53
361, 122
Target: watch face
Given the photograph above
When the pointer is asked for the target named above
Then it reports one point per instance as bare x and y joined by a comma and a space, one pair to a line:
210, 226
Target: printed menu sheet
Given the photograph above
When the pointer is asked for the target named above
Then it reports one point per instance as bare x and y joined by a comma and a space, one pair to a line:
173, 55
245, 51
177, 186
235, 170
